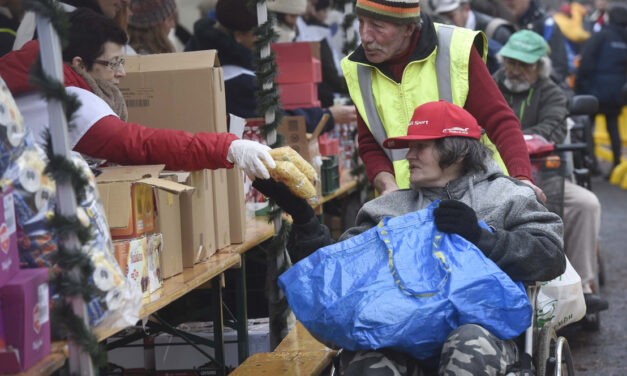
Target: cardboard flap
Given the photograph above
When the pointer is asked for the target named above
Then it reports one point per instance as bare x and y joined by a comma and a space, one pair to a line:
172, 61
166, 185
179, 176
129, 173
116, 199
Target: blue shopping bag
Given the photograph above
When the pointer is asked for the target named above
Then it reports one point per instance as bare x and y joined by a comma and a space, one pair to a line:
403, 285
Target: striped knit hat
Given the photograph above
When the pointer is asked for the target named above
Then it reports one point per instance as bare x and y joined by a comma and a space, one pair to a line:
396, 11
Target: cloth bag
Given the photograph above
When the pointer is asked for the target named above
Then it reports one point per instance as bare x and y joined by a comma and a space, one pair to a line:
560, 301
403, 285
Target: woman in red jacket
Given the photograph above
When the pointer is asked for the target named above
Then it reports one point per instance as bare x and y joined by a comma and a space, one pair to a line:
92, 70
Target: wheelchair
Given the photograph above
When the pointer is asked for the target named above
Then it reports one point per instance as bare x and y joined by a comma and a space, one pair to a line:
573, 160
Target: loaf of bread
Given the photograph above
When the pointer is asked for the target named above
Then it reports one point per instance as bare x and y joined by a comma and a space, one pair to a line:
286, 153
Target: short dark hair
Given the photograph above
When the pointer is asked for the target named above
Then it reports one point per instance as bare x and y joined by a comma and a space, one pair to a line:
88, 33
473, 152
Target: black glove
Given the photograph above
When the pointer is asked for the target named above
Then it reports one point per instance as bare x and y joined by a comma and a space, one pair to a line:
297, 207
455, 217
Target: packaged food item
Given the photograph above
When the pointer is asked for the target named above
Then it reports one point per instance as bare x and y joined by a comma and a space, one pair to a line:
155, 245
132, 256
286, 153
287, 173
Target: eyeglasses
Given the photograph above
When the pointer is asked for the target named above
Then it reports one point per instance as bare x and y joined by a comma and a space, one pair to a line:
516, 64
113, 65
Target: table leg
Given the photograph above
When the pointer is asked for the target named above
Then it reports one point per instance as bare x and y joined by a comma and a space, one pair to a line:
242, 313
150, 364
218, 324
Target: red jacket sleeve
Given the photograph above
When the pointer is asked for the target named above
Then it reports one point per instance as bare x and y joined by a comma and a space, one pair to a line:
486, 103
133, 144
370, 151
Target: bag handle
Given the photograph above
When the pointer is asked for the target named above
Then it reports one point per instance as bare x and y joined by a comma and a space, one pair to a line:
383, 232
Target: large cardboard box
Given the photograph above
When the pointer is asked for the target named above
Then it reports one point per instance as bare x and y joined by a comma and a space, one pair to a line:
298, 62
221, 208
237, 207
26, 316
182, 91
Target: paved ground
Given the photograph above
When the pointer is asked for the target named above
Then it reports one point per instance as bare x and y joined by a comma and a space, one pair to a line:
605, 352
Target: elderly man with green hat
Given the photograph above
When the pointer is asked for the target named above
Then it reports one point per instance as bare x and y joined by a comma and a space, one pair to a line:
406, 60
541, 107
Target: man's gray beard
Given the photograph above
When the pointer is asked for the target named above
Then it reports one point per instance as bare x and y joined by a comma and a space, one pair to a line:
517, 86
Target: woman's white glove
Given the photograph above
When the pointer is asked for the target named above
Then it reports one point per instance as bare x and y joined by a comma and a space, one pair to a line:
248, 155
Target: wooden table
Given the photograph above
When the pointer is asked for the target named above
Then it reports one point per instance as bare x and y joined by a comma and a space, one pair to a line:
52, 362
210, 270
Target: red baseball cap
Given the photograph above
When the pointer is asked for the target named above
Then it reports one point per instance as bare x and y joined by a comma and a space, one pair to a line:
436, 120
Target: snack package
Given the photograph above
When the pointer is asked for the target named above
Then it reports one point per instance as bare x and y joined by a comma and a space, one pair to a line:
115, 304
286, 153
295, 172
132, 257
155, 245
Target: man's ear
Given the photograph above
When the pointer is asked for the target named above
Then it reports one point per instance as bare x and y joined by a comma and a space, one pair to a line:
410, 29
77, 62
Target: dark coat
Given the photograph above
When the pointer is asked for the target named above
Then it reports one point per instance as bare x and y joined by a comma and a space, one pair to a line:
602, 69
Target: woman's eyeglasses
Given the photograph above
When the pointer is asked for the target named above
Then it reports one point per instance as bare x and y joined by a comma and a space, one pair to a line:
114, 65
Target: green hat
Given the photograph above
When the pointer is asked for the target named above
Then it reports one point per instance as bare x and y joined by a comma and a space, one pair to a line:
526, 46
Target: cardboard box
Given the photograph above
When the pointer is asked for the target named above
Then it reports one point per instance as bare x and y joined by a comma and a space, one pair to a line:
221, 208
299, 95
197, 218
182, 91
298, 62
127, 197
9, 257
26, 313
168, 223
237, 205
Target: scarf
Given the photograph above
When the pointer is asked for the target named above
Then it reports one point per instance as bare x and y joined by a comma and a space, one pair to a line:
107, 91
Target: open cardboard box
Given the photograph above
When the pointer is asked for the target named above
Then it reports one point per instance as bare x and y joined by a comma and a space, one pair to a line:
116, 186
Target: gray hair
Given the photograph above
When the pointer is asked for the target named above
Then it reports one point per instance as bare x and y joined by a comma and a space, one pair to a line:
543, 67
472, 152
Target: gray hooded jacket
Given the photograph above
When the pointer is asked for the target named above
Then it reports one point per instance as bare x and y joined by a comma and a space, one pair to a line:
527, 241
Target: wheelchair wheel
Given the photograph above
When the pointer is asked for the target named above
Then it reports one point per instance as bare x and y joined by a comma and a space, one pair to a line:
600, 267
592, 321
553, 356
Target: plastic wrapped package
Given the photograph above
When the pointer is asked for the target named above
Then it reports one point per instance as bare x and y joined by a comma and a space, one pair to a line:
116, 303
295, 172
11, 128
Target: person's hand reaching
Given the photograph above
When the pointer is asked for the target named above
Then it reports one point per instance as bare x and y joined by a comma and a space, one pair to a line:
250, 157
297, 207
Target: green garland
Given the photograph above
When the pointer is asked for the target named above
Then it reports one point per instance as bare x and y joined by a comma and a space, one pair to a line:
60, 169
265, 72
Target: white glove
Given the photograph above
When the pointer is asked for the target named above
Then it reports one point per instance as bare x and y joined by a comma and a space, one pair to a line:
248, 155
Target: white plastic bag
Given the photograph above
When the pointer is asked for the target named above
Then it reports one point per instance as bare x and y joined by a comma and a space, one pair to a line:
560, 301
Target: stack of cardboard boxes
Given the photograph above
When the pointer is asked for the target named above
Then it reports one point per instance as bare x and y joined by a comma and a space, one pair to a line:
24, 308
196, 212
299, 71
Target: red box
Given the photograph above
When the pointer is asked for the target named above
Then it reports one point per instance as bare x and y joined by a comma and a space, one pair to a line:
25, 311
296, 63
328, 146
9, 258
299, 95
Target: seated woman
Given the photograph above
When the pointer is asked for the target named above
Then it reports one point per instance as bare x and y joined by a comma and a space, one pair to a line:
448, 163
93, 66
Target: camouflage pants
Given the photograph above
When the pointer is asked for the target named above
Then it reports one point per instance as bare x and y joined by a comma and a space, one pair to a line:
469, 350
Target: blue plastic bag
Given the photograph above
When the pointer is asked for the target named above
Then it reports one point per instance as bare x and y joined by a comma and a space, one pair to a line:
403, 285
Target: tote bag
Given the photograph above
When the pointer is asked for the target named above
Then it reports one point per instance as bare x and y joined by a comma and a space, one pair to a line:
560, 301
403, 285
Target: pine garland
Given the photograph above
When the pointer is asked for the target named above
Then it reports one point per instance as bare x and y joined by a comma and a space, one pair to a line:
265, 72
64, 170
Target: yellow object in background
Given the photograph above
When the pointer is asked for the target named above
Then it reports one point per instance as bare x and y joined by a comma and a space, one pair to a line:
602, 148
572, 26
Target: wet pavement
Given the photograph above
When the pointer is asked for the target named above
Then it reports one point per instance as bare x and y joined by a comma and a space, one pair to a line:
604, 352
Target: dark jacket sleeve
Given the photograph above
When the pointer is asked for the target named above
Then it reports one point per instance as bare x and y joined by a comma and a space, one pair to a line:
306, 238
132, 144
559, 55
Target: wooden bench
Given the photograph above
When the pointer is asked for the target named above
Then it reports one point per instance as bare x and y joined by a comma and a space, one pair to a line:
298, 354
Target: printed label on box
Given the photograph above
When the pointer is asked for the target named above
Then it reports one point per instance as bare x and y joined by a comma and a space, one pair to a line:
40, 311
9, 214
